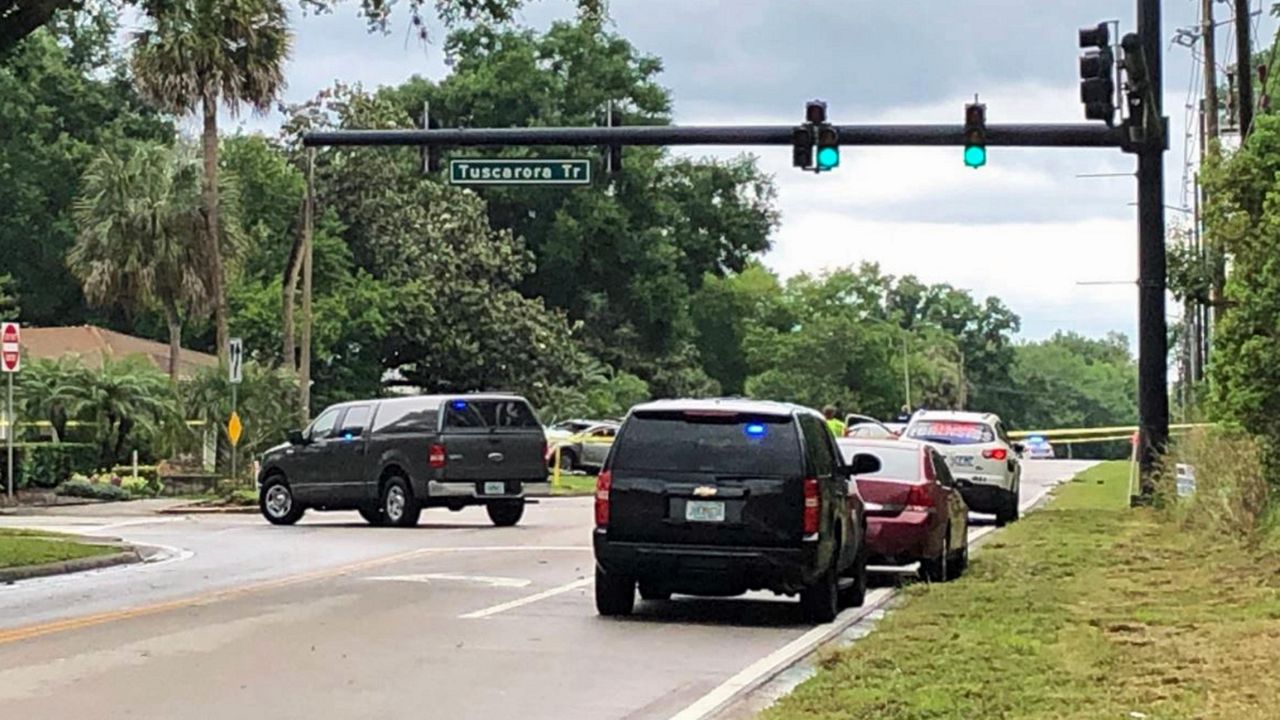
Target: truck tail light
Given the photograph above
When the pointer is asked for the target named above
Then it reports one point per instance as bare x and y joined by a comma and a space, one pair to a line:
437, 456
604, 481
812, 501
919, 499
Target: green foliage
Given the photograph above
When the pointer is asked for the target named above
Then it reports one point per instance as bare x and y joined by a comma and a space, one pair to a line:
133, 406
53, 391
82, 488
63, 99
627, 260
47, 464
265, 399
9, 307
1243, 218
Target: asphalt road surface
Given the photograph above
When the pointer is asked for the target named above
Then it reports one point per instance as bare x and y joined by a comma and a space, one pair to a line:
335, 619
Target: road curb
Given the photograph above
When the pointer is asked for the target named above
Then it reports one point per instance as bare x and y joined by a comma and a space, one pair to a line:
197, 510
124, 557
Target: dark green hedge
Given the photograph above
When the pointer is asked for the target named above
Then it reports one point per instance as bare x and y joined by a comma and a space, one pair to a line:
47, 464
84, 489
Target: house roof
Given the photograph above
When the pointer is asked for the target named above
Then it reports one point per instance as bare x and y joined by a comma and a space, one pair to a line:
92, 344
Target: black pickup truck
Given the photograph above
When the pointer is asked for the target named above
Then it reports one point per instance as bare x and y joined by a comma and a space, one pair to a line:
718, 497
391, 458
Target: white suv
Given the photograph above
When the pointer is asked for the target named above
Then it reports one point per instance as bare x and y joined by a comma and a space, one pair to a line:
982, 458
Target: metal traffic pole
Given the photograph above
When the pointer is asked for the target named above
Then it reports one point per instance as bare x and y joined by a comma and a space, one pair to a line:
10, 428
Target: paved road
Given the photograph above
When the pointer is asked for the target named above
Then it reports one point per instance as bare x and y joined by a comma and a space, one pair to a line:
334, 619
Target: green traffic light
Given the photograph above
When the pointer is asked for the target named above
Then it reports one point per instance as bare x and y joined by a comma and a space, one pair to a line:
828, 158
975, 156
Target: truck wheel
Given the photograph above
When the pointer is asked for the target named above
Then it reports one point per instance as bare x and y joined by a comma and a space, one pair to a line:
277, 504
938, 569
615, 594
373, 516
855, 594
821, 600
505, 513
398, 504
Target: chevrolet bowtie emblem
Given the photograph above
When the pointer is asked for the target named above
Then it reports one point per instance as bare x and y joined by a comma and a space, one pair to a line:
704, 491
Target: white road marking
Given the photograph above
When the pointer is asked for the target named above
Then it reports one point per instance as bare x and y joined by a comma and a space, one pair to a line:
778, 659
509, 548
482, 579
528, 599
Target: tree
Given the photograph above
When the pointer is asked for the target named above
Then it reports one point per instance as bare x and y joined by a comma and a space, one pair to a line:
126, 399
626, 261
265, 402
64, 97
196, 54
8, 297
139, 243
52, 390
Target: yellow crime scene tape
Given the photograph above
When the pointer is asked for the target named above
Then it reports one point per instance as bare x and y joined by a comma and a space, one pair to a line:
1071, 432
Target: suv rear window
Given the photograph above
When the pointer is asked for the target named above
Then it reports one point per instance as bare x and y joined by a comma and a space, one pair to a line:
485, 414
952, 432
728, 444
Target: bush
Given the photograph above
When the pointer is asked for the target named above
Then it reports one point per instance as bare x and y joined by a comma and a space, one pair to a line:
45, 464
1231, 496
94, 491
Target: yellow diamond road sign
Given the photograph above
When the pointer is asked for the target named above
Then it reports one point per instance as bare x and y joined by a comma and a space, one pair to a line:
234, 428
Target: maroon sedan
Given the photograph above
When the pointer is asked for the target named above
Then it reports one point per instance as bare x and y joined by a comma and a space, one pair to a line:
914, 510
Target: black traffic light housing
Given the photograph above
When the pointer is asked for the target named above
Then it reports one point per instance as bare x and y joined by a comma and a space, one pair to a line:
1097, 73
975, 135
828, 155
802, 147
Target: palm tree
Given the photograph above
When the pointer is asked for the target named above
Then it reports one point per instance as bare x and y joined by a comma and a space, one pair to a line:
128, 396
52, 390
138, 242
196, 54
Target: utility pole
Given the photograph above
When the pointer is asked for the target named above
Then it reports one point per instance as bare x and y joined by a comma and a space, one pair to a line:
906, 374
1244, 67
1209, 50
1153, 350
308, 239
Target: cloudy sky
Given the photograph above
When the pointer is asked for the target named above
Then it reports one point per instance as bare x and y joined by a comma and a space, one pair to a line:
1025, 227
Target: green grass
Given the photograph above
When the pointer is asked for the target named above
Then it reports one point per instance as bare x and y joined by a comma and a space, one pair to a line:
1085, 609
575, 485
20, 547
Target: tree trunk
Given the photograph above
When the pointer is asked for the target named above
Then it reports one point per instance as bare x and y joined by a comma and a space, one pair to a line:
213, 244
292, 270
174, 324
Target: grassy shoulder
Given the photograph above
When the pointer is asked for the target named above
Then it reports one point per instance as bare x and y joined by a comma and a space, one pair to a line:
575, 485
21, 548
1085, 609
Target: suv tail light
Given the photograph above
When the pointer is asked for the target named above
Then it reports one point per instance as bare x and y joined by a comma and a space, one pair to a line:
437, 456
604, 481
995, 454
919, 499
926, 463
812, 501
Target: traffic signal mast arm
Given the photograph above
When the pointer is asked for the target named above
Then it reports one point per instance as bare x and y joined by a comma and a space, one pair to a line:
999, 135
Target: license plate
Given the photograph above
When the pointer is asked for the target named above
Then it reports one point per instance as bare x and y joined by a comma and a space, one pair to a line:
962, 460
495, 488
704, 511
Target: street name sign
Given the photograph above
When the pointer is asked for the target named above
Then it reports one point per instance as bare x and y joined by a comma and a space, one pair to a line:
504, 171
10, 347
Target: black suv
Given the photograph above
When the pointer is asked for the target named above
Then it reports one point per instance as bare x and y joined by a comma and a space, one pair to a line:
719, 497
390, 458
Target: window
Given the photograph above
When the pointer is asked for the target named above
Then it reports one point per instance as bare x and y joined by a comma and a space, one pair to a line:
603, 432
818, 439
723, 444
322, 427
355, 421
895, 463
410, 415
485, 414
952, 432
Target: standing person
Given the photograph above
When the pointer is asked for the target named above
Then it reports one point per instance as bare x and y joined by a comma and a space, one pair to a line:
834, 423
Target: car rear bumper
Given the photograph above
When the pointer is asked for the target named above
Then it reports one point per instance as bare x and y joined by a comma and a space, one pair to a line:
983, 498
473, 492
709, 570
901, 539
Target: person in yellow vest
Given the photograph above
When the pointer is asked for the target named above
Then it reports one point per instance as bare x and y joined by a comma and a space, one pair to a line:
834, 423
